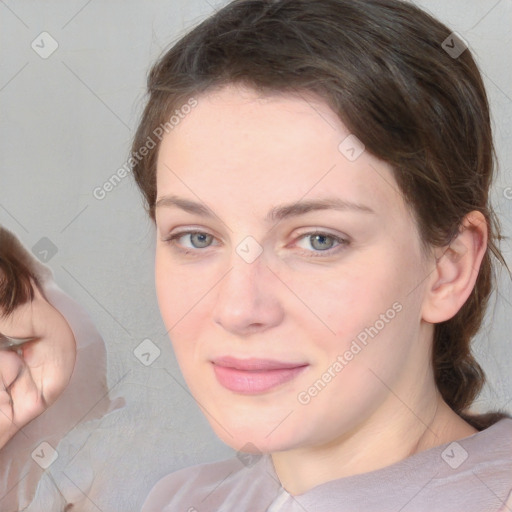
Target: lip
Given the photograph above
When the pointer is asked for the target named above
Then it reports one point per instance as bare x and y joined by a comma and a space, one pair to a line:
253, 376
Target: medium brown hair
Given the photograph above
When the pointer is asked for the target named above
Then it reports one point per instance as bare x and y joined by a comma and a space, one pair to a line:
381, 67
15, 275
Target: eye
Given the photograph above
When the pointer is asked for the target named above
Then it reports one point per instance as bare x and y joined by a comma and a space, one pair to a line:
323, 243
198, 239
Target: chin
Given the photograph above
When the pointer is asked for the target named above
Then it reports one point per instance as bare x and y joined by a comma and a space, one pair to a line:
269, 422
257, 437
254, 444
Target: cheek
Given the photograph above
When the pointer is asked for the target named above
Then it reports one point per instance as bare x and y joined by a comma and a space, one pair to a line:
183, 302
371, 322
340, 303
177, 288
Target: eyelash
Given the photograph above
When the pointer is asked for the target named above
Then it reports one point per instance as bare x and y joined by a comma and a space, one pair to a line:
342, 242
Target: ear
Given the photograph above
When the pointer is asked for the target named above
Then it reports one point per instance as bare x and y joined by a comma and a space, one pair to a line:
456, 270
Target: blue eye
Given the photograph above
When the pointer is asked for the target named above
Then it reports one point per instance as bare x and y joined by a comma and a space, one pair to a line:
197, 237
321, 243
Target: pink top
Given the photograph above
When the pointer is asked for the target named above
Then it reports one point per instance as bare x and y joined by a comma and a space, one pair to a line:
473, 474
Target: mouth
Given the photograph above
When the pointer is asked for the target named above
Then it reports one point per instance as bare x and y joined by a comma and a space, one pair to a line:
254, 376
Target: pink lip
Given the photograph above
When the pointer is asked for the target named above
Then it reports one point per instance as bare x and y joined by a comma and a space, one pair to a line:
252, 376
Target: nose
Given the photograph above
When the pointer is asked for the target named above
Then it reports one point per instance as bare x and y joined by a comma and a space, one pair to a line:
247, 299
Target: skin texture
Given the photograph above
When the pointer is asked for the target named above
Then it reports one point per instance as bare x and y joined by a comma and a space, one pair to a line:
241, 154
32, 381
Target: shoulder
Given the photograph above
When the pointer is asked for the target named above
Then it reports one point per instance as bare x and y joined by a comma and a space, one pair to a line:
479, 467
209, 484
206, 472
488, 452
493, 443
166, 488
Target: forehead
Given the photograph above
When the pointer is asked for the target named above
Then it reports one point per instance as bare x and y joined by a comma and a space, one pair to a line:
240, 146
242, 119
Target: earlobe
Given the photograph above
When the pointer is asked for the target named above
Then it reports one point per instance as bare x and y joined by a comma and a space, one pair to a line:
456, 270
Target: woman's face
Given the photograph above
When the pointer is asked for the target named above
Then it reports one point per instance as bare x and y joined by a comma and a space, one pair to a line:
295, 308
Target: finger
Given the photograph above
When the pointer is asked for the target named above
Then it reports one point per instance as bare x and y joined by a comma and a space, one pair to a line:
27, 397
51, 361
10, 370
10, 366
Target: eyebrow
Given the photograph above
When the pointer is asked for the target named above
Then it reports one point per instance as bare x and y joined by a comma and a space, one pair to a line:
279, 212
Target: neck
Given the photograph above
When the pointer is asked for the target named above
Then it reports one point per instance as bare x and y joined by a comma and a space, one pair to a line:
392, 434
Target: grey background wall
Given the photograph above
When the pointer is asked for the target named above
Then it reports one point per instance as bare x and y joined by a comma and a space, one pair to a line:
67, 119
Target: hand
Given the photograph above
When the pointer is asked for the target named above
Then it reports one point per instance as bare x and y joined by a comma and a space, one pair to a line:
31, 381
